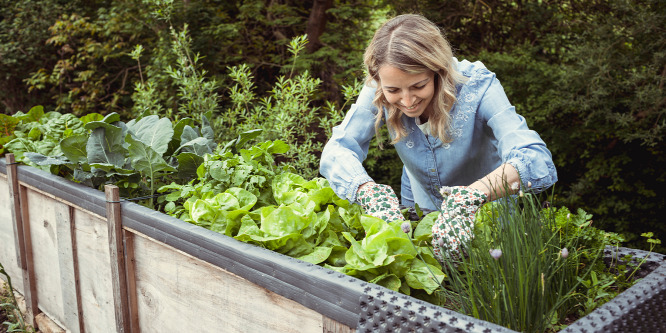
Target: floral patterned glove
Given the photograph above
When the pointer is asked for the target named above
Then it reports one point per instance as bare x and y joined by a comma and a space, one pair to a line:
380, 201
455, 225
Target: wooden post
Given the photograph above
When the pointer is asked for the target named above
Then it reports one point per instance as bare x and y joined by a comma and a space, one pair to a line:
19, 197
131, 280
12, 181
117, 254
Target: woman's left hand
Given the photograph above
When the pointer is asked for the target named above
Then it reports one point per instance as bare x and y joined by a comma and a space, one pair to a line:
455, 225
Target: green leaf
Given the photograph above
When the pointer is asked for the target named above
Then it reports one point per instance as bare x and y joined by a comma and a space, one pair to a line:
91, 117
110, 169
188, 164
74, 147
424, 276
423, 230
105, 146
7, 125
246, 199
153, 131
190, 141
244, 137
40, 159
318, 255
35, 113
146, 160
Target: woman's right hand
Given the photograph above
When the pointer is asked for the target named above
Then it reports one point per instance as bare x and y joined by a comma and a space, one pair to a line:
379, 201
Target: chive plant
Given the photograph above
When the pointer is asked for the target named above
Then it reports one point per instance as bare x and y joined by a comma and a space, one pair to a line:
522, 269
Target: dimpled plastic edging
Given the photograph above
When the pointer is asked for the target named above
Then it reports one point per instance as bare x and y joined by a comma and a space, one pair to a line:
641, 308
385, 310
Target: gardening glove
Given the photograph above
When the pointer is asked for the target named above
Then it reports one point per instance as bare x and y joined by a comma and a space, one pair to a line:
455, 225
379, 201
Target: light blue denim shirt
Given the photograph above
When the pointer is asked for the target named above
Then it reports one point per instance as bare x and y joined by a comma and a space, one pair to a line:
486, 132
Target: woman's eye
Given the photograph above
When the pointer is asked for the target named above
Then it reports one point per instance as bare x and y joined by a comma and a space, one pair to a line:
420, 87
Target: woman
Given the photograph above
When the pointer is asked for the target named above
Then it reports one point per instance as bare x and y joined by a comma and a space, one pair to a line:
459, 138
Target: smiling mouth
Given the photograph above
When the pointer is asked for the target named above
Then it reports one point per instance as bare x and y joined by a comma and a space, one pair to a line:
413, 107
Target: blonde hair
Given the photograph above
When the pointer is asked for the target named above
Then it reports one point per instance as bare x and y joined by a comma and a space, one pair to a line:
414, 44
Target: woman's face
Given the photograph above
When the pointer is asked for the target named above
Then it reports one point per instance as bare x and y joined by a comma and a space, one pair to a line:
411, 93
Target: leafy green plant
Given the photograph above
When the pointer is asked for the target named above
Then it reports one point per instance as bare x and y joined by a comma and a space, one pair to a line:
40, 132
531, 266
10, 307
137, 155
243, 194
287, 113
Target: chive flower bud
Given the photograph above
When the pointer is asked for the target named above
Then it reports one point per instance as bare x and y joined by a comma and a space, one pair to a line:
406, 227
496, 253
564, 252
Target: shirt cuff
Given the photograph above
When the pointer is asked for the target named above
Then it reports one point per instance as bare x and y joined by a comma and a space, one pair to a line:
355, 184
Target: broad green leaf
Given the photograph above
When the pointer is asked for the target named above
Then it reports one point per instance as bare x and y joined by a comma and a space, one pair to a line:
423, 230
284, 220
74, 147
203, 213
293, 245
248, 230
190, 141
179, 125
91, 117
7, 124
188, 164
318, 255
246, 199
387, 280
144, 159
153, 131
226, 201
35, 133
111, 169
105, 146
244, 137
35, 113
40, 159
423, 276
208, 133
278, 147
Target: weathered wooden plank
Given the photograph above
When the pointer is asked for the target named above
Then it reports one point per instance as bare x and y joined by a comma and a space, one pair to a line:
66, 244
94, 272
8, 243
117, 258
210, 298
59, 199
29, 279
45, 214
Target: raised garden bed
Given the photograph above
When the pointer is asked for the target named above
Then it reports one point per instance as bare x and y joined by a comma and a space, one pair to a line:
94, 264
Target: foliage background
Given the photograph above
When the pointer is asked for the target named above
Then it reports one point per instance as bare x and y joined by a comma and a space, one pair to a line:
587, 75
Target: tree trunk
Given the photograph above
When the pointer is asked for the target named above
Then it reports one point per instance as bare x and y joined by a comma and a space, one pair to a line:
317, 23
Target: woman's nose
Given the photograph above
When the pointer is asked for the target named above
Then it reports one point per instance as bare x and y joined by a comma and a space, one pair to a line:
408, 99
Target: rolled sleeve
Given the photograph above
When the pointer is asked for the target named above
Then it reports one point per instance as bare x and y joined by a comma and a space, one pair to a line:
343, 155
516, 144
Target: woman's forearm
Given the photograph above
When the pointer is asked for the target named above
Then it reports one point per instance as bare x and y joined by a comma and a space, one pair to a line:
502, 181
